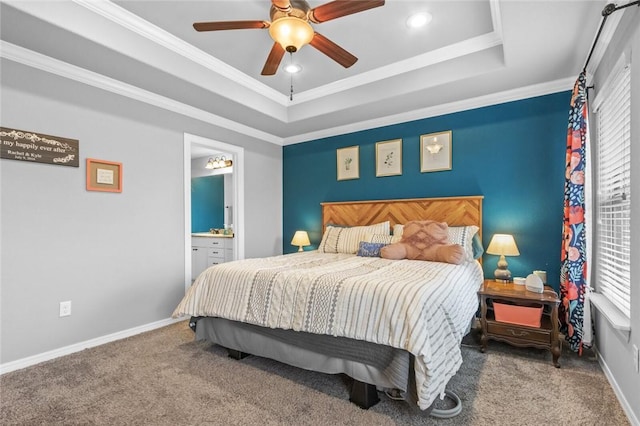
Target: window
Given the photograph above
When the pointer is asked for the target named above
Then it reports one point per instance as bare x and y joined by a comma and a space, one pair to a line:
612, 248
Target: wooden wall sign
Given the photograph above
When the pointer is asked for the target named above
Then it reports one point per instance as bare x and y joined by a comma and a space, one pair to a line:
38, 148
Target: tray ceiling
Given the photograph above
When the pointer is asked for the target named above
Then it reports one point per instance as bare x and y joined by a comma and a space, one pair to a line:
472, 53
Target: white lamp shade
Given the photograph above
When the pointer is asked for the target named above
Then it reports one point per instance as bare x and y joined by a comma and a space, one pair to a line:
300, 238
503, 244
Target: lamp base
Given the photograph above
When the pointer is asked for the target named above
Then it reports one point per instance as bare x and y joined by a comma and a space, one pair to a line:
502, 275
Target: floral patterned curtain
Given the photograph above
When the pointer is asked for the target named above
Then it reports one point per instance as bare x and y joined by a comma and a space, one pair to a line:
573, 273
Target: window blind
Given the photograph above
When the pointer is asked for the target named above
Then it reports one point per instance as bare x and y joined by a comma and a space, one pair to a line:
612, 249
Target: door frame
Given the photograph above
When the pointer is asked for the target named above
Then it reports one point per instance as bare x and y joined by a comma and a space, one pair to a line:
237, 177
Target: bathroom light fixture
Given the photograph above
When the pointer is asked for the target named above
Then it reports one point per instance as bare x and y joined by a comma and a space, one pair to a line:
218, 163
503, 245
300, 239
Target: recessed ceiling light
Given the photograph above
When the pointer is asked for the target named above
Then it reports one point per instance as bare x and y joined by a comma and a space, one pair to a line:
418, 20
292, 68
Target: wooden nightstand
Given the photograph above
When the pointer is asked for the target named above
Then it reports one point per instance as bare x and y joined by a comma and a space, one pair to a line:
545, 337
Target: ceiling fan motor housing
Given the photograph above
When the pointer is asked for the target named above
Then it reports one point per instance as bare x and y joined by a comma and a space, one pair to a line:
298, 8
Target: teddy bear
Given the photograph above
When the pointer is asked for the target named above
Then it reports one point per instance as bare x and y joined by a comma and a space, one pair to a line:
425, 240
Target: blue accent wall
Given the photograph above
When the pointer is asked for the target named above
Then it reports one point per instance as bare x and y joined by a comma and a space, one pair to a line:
512, 153
207, 203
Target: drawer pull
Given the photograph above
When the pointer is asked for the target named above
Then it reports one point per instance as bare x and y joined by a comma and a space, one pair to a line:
520, 334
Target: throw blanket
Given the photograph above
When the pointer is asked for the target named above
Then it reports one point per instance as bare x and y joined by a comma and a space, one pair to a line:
419, 306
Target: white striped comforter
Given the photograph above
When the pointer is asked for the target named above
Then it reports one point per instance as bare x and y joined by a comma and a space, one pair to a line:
422, 307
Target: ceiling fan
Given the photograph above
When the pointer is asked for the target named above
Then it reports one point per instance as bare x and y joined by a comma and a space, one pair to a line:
290, 28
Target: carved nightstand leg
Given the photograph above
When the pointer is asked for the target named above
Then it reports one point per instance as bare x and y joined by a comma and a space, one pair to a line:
556, 350
483, 324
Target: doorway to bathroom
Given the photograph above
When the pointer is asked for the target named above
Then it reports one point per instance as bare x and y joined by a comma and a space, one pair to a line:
196, 148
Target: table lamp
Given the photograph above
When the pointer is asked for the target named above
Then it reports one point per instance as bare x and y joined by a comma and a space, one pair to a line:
300, 239
503, 245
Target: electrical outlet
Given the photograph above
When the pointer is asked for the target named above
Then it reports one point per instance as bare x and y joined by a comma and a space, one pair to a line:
636, 358
65, 308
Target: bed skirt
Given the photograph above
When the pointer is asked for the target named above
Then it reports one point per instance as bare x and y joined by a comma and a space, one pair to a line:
382, 366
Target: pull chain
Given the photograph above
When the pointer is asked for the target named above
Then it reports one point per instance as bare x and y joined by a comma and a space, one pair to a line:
291, 76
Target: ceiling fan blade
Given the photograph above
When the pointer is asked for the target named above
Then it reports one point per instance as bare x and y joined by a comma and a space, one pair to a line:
230, 25
339, 8
332, 50
273, 60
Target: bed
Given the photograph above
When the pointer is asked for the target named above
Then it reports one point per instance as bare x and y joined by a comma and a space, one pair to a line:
388, 324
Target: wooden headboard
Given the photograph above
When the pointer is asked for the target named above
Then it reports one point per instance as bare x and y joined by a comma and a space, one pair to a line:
456, 211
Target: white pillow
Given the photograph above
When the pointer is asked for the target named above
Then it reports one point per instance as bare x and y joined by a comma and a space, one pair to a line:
338, 239
462, 235
381, 238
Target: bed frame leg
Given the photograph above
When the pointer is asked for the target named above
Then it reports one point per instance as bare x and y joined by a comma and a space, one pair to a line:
237, 354
363, 395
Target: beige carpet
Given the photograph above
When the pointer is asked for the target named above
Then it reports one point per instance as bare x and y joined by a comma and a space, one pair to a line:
164, 377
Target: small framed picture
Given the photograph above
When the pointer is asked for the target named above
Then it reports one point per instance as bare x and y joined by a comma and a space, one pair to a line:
348, 162
435, 152
389, 158
104, 175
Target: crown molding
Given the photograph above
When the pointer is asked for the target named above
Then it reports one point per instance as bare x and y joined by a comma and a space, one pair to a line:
45, 63
136, 24
446, 53
146, 29
434, 111
496, 17
443, 54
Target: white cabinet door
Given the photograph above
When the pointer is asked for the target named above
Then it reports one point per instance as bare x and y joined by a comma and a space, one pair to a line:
209, 251
198, 261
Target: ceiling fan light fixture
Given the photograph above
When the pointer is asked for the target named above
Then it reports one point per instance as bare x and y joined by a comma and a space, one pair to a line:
291, 33
419, 20
292, 68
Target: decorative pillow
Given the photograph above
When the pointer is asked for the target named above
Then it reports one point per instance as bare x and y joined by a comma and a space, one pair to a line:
466, 236
463, 235
367, 249
347, 240
425, 240
478, 248
381, 238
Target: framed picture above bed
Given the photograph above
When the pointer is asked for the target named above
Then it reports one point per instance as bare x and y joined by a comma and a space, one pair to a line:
435, 152
348, 162
389, 158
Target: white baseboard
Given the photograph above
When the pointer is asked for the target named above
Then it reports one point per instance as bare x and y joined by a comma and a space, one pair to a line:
77, 347
633, 419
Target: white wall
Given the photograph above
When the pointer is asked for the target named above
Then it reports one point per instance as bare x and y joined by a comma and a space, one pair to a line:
616, 348
118, 257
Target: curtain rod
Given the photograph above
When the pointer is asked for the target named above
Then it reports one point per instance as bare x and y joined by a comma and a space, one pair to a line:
608, 10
